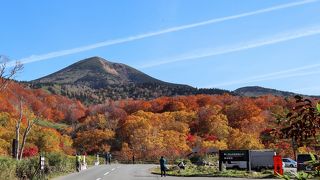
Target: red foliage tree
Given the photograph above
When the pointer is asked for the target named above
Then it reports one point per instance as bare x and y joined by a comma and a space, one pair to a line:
30, 151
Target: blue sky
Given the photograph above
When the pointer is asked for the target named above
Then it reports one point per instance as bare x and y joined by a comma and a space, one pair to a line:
226, 44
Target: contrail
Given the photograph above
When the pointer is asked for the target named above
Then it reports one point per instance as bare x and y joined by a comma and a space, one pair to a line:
266, 79
55, 54
315, 30
270, 76
307, 88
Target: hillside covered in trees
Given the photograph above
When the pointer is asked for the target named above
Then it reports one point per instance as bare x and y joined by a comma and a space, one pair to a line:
95, 80
170, 126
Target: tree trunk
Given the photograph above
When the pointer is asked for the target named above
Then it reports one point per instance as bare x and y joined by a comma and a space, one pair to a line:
294, 148
17, 138
18, 130
24, 138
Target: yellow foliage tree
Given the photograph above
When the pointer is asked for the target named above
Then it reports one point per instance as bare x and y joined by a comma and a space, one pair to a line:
240, 140
214, 145
174, 143
213, 122
46, 139
7, 124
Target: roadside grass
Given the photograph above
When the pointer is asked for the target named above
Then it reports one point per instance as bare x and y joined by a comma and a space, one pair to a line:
298, 175
70, 166
57, 126
56, 164
209, 171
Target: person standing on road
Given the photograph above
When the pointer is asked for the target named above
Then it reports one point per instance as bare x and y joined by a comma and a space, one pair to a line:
163, 167
78, 162
108, 158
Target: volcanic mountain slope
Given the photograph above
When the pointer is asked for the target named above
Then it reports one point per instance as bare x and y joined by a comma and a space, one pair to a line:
95, 80
97, 72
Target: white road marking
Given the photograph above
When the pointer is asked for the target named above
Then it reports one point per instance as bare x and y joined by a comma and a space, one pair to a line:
113, 169
106, 173
98, 179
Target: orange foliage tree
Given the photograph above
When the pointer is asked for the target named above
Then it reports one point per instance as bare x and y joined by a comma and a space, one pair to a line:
93, 141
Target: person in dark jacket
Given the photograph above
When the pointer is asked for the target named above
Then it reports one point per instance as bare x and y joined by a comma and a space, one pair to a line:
108, 157
163, 167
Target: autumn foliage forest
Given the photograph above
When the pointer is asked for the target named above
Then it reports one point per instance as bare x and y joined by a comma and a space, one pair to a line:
169, 126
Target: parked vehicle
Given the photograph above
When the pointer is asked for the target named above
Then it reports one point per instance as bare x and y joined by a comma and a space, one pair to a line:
288, 162
259, 160
302, 160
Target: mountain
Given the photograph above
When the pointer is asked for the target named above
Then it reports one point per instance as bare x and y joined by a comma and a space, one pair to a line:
255, 91
94, 80
97, 73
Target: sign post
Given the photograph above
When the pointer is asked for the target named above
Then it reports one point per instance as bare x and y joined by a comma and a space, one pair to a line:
277, 164
42, 162
14, 148
84, 163
41, 165
234, 155
97, 161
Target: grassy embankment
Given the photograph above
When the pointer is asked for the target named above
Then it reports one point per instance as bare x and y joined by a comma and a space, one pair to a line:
212, 171
56, 164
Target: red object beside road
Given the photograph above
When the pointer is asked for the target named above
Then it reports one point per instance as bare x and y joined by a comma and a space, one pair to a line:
277, 164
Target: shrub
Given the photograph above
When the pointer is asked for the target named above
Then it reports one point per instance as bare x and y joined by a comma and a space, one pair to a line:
185, 161
59, 163
55, 164
7, 168
90, 160
30, 151
195, 159
27, 168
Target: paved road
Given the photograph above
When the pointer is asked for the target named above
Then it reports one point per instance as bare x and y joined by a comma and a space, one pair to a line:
126, 172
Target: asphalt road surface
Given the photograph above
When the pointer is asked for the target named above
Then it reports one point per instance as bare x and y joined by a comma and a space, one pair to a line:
125, 172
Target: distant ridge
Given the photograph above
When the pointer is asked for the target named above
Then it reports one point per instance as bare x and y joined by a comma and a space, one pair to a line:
255, 91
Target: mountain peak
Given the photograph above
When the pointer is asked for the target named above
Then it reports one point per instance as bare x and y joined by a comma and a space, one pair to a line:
95, 59
96, 63
98, 73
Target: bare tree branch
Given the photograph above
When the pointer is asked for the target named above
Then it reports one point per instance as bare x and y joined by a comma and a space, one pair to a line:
6, 72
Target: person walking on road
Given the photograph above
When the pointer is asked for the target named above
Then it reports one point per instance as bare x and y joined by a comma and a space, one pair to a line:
163, 167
